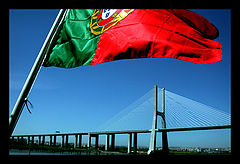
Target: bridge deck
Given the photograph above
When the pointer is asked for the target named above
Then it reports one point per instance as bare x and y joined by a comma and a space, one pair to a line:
133, 131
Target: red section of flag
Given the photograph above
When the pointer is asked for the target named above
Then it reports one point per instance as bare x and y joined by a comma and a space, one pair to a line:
153, 33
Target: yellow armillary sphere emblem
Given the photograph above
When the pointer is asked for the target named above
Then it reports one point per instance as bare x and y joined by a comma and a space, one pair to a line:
103, 19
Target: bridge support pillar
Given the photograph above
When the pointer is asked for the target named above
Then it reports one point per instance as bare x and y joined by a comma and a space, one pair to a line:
164, 134
129, 142
50, 140
32, 139
28, 140
152, 145
66, 143
18, 139
43, 140
76, 141
96, 141
62, 145
164, 142
113, 141
107, 142
54, 140
39, 140
89, 140
135, 142
80, 141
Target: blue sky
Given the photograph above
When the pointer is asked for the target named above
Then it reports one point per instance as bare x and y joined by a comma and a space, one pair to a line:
73, 100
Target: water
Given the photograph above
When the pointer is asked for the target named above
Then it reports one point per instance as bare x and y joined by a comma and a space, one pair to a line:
26, 152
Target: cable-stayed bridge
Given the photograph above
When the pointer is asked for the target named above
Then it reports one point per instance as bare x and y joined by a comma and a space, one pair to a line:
158, 110
180, 112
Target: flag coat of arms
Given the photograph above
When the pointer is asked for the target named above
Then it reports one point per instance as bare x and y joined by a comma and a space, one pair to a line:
94, 36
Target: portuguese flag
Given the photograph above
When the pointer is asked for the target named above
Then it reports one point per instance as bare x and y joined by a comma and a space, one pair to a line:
94, 36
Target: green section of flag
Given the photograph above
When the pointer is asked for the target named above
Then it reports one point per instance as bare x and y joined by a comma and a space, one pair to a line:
76, 45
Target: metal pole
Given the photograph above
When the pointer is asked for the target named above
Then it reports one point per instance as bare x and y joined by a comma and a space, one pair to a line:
17, 110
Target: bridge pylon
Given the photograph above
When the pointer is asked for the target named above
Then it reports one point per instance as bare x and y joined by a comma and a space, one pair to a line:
152, 145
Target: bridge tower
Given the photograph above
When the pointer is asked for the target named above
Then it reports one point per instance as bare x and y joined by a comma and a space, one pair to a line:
152, 145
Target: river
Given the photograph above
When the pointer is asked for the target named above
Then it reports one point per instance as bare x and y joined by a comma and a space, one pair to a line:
26, 152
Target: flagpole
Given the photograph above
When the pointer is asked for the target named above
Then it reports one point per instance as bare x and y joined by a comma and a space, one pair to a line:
17, 110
